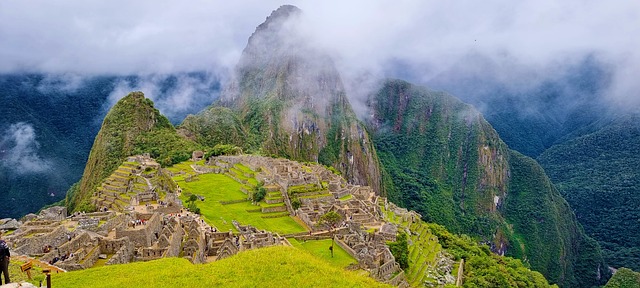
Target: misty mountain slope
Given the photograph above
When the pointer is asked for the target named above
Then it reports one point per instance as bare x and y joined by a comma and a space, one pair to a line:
441, 158
598, 175
132, 126
532, 112
292, 103
214, 125
46, 129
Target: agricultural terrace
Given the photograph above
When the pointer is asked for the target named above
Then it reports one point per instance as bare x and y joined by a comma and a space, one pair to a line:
423, 253
224, 200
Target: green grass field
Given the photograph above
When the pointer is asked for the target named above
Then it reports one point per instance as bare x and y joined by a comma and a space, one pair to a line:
268, 267
219, 187
320, 249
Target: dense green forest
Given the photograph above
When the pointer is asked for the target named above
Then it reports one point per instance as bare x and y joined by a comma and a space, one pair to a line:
598, 175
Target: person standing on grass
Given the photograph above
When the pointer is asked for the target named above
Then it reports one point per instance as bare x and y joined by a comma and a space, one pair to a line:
4, 261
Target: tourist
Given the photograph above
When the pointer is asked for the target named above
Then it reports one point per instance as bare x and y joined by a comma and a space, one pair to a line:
4, 261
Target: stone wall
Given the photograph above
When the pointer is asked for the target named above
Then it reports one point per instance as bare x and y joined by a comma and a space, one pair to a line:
347, 248
113, 222
69, 247
123, 255
174, 242
142, 237
33, 245
274, 209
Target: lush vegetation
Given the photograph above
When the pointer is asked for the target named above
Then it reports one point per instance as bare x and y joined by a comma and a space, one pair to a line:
483, 268
546, 228
624, 278
400, 250
444, 160
598, 175
267, 267
214, 125
431, 242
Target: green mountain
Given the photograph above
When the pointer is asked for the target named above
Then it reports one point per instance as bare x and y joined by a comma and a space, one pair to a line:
289, 100
133, 126
598, 175
442, 159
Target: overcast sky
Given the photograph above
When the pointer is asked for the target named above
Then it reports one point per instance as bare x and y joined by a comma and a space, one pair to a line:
529, 39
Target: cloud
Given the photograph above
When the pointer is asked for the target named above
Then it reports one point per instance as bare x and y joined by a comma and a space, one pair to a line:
19, 150
523, 42
174, 95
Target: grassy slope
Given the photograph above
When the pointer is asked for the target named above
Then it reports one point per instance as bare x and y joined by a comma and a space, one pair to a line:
320, 249
268, 267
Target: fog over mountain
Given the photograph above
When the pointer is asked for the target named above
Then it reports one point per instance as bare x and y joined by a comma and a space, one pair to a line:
521, 44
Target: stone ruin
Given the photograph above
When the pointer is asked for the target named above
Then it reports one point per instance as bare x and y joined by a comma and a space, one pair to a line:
252, 238
372, 253
122, 234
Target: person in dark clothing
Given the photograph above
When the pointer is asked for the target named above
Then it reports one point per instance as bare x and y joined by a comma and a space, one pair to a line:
4, 261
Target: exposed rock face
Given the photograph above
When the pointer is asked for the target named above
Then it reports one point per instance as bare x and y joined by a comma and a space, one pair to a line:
292, 103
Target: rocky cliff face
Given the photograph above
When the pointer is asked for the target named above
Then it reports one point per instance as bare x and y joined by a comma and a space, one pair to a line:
292, 103
442, 159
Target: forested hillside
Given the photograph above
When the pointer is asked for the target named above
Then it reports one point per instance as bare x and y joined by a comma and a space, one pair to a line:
442, 159
598, 175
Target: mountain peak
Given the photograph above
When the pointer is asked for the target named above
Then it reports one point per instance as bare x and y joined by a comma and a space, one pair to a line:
282, 13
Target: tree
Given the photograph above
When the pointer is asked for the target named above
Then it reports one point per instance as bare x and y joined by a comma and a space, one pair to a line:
400, 250
259, 192
295, 203
191, 204
330, 219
